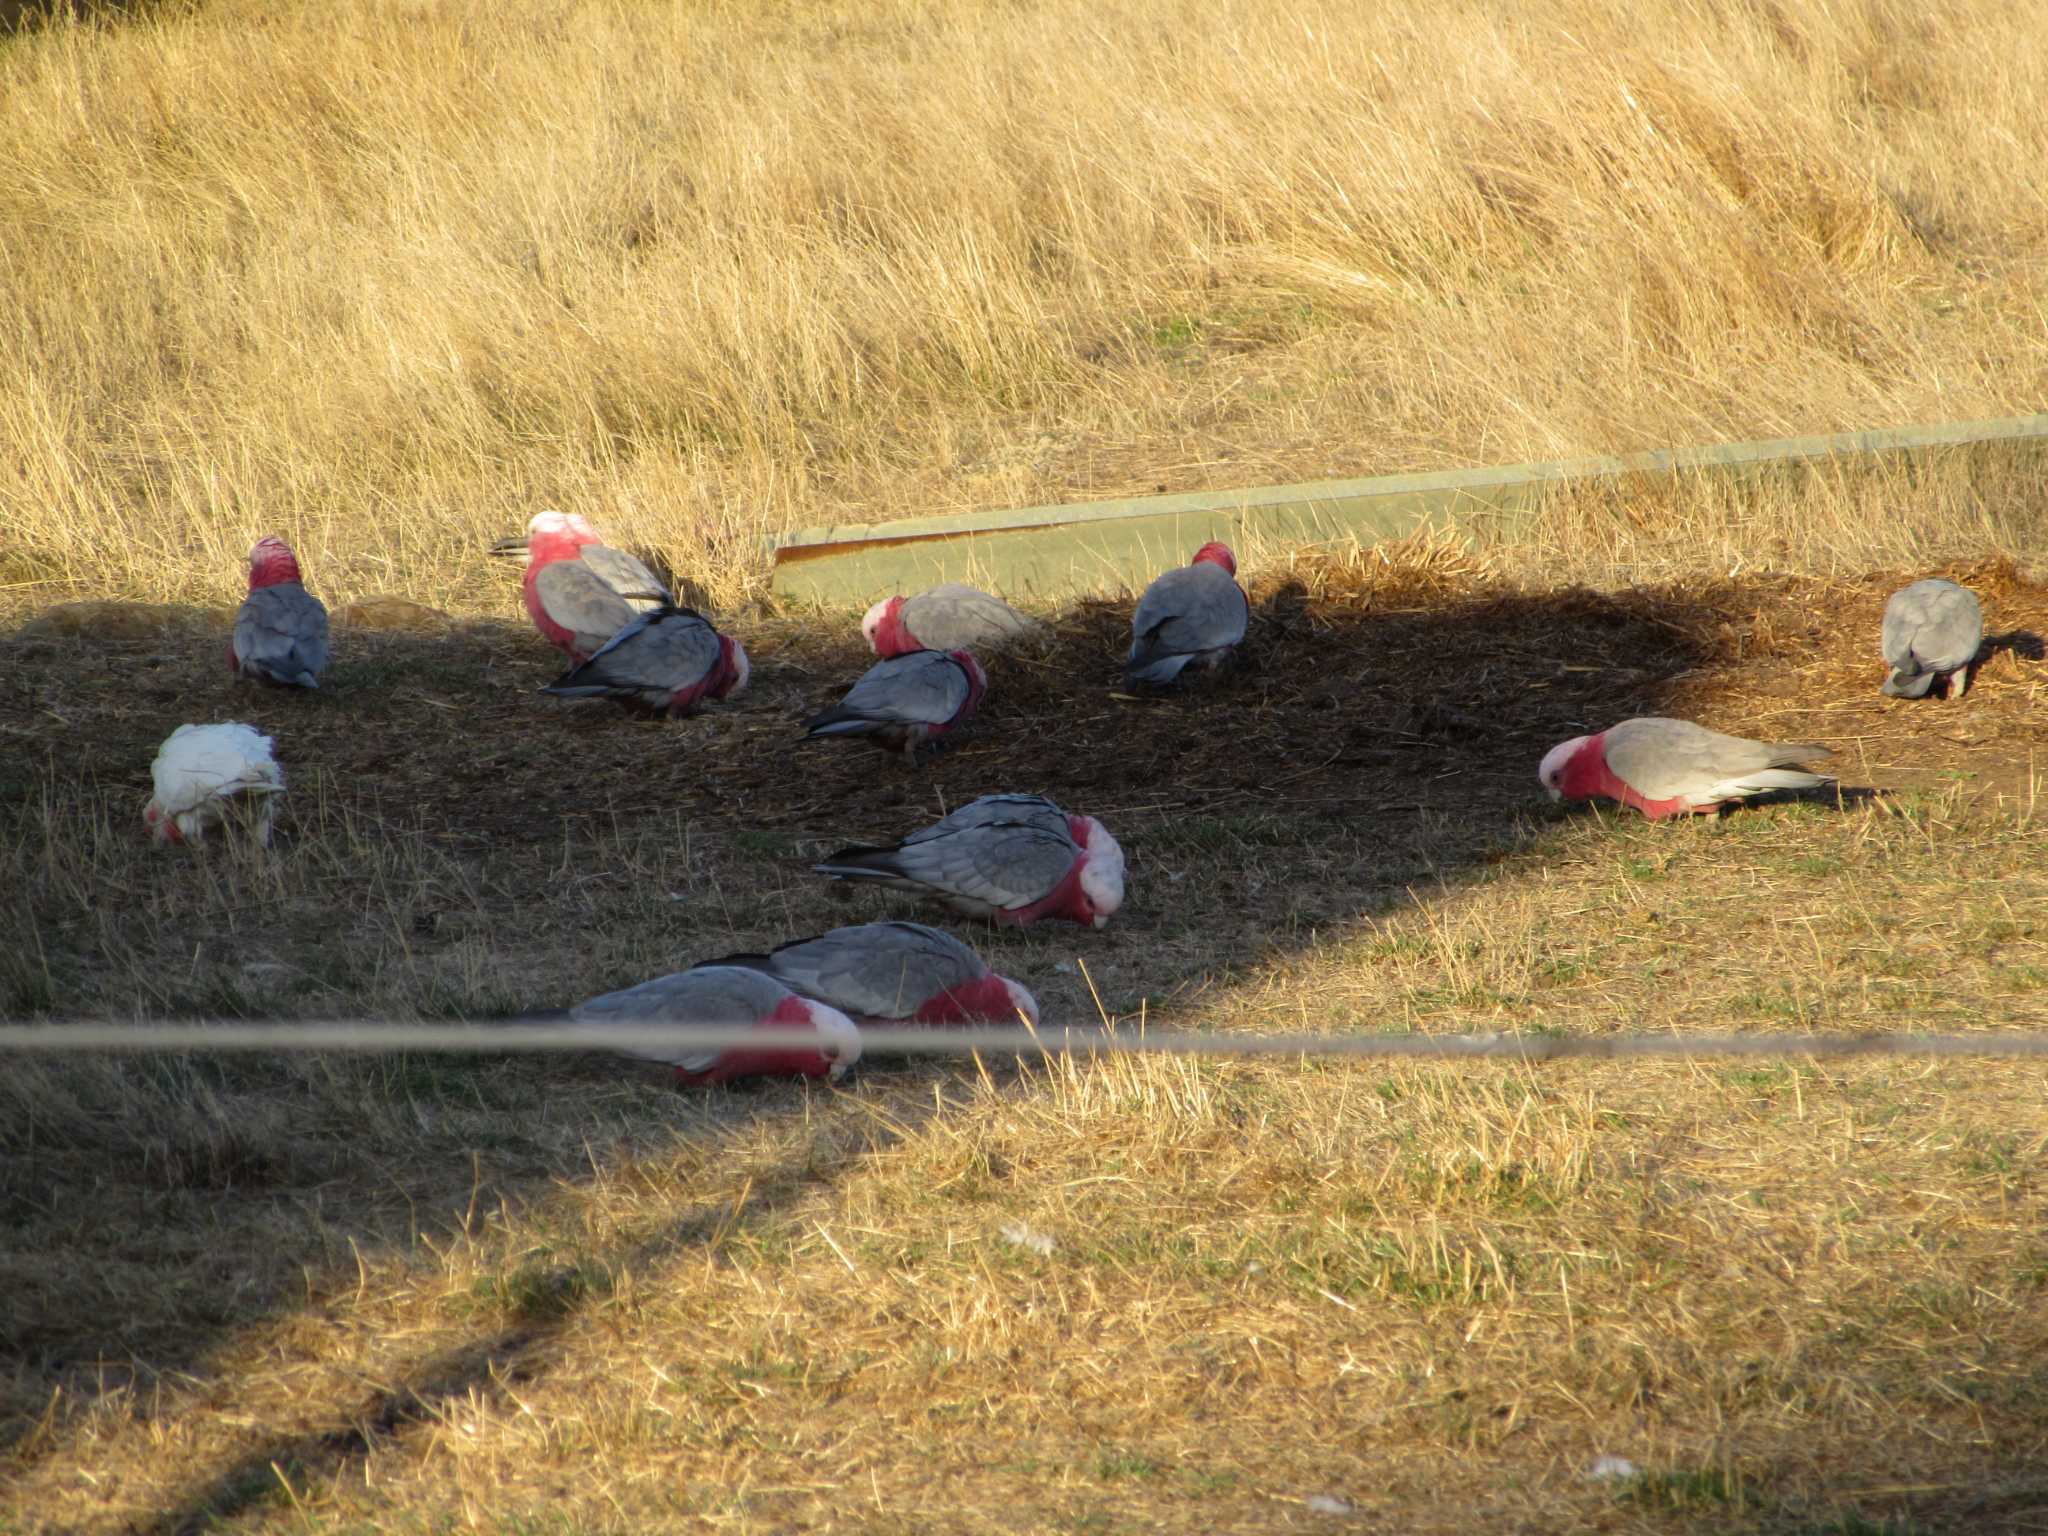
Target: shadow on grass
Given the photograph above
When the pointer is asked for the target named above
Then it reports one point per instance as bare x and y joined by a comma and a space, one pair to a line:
511, 852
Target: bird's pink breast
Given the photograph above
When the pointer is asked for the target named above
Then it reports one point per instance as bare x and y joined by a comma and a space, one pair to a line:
753, 1061
1588, 774
985, 1000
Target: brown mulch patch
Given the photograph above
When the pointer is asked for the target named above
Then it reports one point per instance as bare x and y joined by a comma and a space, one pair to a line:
1362, 690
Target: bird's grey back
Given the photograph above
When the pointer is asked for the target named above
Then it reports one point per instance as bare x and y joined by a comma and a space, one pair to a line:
667, 649
1661, 758
1932, 626
627, 576
283, 629
1007, 864
956, 617
989, 810
712, 994
924, 685
882, 970
1186, 611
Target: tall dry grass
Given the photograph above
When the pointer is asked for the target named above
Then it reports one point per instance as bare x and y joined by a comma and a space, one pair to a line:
389, 276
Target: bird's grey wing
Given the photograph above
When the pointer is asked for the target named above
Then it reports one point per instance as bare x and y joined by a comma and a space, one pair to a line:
881, 970
575, 597
708, 995
1027, 810
660, 652
1952, 629
1661, 759
1194, 609
626, 575
283, 630
956, 617
1901, 621
1006, 866
925, 687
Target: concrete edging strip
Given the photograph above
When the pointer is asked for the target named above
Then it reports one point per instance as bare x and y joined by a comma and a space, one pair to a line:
1059, 551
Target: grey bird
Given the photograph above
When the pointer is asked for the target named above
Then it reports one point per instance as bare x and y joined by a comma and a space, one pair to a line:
1932, 630
896, 973
1673, 767
904, 701
1011, 859
731, 997
949, 617
1194, 616
281, 628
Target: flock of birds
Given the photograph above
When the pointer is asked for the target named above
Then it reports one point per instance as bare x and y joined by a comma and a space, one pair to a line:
1004, 858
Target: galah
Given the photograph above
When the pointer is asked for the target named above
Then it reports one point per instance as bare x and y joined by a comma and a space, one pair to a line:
949, 617
1932, 630
1674, 767
206, 774
733, 997
571, 604
668, 661
281, 630
904, 701
1194, 616
1009, 858
879, 973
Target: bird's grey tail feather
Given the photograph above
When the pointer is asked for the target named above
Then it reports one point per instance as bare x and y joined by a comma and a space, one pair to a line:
859, 864
1785, 778
1904, 685
1158, 670
834, 723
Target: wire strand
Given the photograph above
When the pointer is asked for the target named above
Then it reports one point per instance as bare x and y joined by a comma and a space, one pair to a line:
528, 1037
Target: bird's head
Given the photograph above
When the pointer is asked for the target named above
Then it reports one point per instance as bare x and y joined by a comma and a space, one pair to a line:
841, 1036
884, 630
1102, 872
1557, 772
162, 828
738, 670
550, 537
1216, 553
271, 562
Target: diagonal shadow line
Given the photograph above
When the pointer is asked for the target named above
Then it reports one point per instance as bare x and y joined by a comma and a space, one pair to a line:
494, 1361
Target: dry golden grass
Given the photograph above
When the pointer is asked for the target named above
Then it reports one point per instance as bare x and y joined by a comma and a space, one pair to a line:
391, 276
387, 278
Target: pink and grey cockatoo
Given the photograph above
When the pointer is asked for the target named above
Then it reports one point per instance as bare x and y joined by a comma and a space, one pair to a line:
668, 661
949, 617
1194, 616
1009, 858
569, 593
281, 631
208, 776
885, 973
1932, 630
905, 701
730, 996
1673, 767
